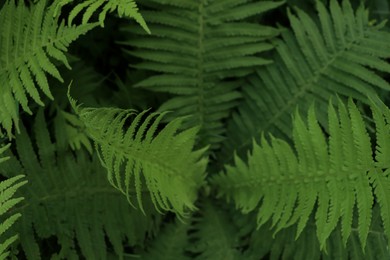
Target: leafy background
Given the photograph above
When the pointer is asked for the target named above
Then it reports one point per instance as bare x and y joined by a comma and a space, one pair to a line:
194, 129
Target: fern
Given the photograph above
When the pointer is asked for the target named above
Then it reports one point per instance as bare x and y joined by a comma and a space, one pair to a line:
81, 211
334, 175
82, 74
214, 236
264, 244
136, 155
339, 52
169, 244
73, 131
67, 126
284, 245
7, 191
126, 8
195, 47
31, 40
222, 76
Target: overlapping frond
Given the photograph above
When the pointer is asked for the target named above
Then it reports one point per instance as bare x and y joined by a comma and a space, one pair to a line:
198, 51
7, 201
136, 154
68, 198
124, 8
330, 176
341, 52
31, 41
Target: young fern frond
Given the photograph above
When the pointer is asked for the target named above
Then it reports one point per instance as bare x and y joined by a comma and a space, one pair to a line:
31, 40
7, 190
334, 175
124, 8
137, 153
340, 52
82, 211
195, 50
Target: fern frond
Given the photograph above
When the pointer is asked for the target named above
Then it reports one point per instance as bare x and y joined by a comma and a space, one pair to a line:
7, 201
169, 244
332, 176
195, 48
134, 155
83, 75
214, 236
69, 198
136, 98
68, 126
284, 245
124, 8
380, 178
72, 131
339, 52
30, 40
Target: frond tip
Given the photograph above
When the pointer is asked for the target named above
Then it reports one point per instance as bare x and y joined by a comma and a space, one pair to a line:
136, 155
331, 176
127, 8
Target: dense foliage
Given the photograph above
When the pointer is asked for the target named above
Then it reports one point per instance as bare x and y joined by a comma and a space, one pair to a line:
194, 129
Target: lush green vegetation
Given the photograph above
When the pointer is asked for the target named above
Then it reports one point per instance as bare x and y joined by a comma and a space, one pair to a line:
194, 129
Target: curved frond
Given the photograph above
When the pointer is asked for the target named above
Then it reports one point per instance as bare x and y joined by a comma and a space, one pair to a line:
69, 198
31, 40
341, 52
197, 51
136, 154
331, 176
